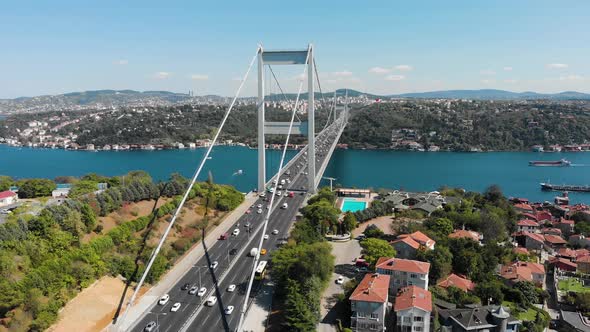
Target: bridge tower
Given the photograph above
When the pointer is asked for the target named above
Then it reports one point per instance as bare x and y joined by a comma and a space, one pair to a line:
297, 57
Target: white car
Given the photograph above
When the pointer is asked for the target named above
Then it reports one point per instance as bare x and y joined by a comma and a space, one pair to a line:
214, 265
286, 194
266, 236
259, 211
340, 280
259, 206
280, 186
275, 231
231, 288
279, 193
285, 205
175, 307
202, 292
211, 301
193, 290
262, 194
229, 309
236, 232
164, 299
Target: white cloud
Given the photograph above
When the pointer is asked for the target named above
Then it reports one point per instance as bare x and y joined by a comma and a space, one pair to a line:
403, 67
571, 78
161, 75
557, 66
488, 81
487, 72
394, 77
121, 62
344, 73
299, 77
507, 68
511, 81
379, 70
199, 77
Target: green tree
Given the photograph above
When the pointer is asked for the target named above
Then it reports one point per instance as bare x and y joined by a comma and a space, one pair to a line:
349, 222
441, 226
298, 314
490, 291
529, 292
5, 182
31, 188
323, 194
321, 214
88, 217
83, 187
441, 262
375, 248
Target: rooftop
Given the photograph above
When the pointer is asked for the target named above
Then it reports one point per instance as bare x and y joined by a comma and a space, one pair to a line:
399, 264
457, 281
373, 288
413, 297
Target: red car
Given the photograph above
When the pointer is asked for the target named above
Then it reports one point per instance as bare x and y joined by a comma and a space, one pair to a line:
224, 236
248, 211
291, 194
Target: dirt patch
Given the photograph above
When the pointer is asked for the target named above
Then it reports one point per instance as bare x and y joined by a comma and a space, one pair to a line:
93, 308
384, 224
127, 212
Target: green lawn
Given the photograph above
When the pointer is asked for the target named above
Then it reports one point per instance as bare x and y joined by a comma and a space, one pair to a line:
528, 315
572, 285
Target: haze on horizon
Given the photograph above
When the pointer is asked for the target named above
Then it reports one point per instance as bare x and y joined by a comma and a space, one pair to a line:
382, 48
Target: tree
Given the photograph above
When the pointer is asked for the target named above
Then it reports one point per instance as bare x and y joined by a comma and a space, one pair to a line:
323, 194
441, 262
5, 182
442, 226
298, 314
493, 193
31, 188
529, 292
88, 217
375, 248
490, 291
492, 227
83, 187
305, 232
373, 231
349, 222
321, 214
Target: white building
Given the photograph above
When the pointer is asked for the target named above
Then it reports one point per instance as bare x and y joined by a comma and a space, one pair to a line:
7, 198
403, 272
369, 303
413, 307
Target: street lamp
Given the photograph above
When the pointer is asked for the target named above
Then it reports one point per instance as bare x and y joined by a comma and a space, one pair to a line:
157, 321
330, 179
199, 271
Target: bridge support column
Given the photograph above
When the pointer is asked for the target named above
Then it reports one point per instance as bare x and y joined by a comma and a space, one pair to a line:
261, 150
311, 184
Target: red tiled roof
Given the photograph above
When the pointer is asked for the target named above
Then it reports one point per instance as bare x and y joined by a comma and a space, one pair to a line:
566, 252
413, 297
373, 288
529, 216
521, 271
465, 234
6, 194
521, 250
554, 239
584, 259
544, 215
523, 206
566, 221
563, 261
581, 253
527, 222
457, 281
407, 240
420, 238
534, 236
399, 264
551, 230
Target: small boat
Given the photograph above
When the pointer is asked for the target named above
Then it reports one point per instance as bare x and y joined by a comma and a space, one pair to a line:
209, 158
550, 163
564, 187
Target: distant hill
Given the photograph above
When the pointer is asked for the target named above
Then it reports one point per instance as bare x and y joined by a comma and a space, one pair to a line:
492, 94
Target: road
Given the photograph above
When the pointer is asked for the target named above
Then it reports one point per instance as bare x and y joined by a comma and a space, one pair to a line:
234, 267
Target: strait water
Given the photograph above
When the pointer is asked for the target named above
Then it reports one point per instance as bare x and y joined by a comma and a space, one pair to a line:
417, 171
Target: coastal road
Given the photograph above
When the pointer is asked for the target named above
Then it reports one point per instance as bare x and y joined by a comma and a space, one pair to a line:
234, 263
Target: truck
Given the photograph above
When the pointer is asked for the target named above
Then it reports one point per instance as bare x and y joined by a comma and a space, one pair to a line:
253, 252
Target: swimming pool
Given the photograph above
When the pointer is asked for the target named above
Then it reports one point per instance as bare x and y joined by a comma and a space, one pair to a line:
351, 205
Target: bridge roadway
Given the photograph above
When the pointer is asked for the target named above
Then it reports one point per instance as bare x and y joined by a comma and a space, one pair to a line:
193, 314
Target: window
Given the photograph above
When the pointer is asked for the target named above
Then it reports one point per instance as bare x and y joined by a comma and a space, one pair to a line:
374, 315
417, 318
373, 326
418, 328
361, 314
413, 275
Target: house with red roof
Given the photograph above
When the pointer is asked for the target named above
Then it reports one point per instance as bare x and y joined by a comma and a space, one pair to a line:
523, 271
406, 245
523, 208
369, 303
403, 272
413, 308
566, 226
465, 234
563, 264
457, 281
543, 216
530, 216
567, 253
579, 240
531, 241
527, 225
583, 264
8, 197
555, 242
551, 231
581, 253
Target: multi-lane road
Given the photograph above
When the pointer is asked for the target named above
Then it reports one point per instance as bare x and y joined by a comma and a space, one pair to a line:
234, 264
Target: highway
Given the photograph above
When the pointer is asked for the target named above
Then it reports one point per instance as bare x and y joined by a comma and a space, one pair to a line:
234, 263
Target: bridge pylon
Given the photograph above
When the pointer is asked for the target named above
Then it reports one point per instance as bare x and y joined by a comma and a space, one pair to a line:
291, 57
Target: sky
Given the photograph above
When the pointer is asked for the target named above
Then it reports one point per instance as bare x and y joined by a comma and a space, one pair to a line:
382, 47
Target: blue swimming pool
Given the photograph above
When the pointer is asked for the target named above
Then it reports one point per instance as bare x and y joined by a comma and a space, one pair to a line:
351, 205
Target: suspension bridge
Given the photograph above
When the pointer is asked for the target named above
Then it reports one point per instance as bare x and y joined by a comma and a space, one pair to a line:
224, 277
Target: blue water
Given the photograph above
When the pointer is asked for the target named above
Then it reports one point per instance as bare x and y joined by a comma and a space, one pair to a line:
351, 205
418, 171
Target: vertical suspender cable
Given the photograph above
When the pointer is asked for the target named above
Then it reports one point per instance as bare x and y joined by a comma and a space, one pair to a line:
186, 194
279, 173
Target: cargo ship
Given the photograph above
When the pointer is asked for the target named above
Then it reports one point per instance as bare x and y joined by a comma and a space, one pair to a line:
564, 187
554, 163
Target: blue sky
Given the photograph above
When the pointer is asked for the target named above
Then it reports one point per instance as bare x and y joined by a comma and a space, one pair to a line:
386, 47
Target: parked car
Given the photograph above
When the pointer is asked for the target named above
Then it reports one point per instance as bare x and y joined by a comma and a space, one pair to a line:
275, 231
229, 309
231, 288
340, 280
248, 211
259, 211
164, 299
175, 307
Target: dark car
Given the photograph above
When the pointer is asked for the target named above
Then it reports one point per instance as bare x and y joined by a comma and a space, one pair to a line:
186, 286
233, 251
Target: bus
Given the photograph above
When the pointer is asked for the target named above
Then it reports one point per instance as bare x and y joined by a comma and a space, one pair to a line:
260, 270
